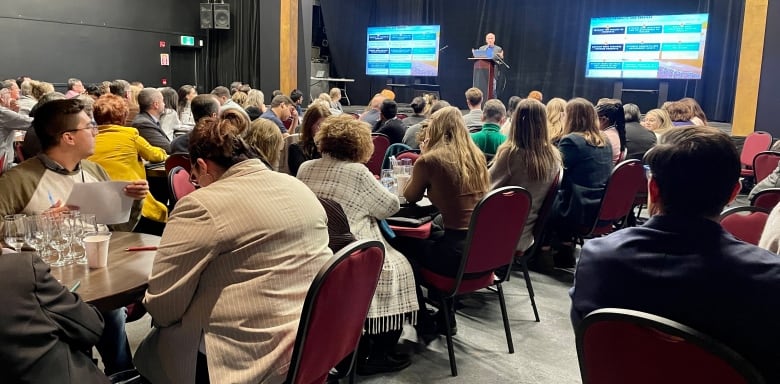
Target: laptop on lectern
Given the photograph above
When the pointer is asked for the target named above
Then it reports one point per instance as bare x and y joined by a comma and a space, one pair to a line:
486, 53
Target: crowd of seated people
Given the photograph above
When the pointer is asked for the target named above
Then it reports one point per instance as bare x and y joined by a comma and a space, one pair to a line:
206, 298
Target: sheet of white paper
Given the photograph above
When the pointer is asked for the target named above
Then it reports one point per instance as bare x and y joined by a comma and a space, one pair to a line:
105, 199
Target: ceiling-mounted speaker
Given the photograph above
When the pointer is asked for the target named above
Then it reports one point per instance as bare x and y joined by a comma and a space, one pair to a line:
206, 16
221, 16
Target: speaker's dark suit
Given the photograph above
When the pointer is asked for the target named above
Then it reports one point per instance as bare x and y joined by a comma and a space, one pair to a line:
151, 131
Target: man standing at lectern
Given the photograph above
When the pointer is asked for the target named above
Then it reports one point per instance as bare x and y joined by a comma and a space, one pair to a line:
490, 39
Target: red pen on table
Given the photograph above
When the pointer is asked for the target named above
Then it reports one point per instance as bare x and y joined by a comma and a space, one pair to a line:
144, 248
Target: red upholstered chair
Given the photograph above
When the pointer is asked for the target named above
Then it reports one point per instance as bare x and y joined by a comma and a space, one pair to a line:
18, 152
495, 228
334, 311
178, 160
401, 116
542, 216
745, 223
354, 115
179, 184
627, 179
2, 162
764, 164
623, 155
624, 346
412, 154
755, 142
767, 198
381, 143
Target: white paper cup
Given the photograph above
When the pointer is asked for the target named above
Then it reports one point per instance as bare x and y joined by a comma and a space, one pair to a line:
96, 247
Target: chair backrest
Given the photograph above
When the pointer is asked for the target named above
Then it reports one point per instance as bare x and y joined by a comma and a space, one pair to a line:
179, 184
625, 346
626, 180
764, 164
178, 160
381, 143
335, 310
339, 233
401, 116
393, 150
767, 198
354, 115
2, 163
18, 152
544, 210
412, 154
756, 142
745, 223
623, 155
494, 230
284, 166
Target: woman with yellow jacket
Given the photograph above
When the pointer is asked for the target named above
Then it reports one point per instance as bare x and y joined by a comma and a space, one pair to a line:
120, 151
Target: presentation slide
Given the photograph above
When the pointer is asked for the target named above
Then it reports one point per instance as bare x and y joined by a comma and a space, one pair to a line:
647, 47
403, 50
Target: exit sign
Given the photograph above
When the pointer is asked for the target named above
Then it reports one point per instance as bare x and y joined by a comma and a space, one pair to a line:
187, 40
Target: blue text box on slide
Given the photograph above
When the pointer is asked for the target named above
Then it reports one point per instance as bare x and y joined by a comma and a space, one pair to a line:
378, 37
680, 46
640, 66
608, 31
605, 65
644, 29
683, 28
378, 51
423, 51
606, 47
643, 47
400, 51
401, 37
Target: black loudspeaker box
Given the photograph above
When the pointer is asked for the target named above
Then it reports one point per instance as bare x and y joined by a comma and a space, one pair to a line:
206, 16
221, 16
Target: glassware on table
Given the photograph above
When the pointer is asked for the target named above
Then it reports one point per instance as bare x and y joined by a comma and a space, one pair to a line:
33, 233
14, 231
59, 238
388, 179
407, 166
76, 231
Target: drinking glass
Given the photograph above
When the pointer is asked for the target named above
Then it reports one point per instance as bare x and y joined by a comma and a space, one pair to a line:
75, 227
388, 179
59, 238
14, 231
32, 233
407, 166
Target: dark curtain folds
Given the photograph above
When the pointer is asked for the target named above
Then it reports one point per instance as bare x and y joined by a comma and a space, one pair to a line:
545, 45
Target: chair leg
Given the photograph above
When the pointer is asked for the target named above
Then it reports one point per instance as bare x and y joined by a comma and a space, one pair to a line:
501, 300
450, 349
530, 289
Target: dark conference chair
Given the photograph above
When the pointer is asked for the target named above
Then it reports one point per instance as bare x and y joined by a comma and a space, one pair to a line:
624, 346
745, 223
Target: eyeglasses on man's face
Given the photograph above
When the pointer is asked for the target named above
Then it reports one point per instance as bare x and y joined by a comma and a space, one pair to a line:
92, 125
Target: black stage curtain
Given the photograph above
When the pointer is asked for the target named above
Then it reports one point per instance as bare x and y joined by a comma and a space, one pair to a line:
545, 44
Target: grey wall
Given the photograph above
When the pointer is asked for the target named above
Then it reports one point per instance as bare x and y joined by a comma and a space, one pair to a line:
93, 40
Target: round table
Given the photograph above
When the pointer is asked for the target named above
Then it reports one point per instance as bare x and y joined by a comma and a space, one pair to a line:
123, 281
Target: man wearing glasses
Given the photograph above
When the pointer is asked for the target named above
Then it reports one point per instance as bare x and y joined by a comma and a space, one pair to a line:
43, 183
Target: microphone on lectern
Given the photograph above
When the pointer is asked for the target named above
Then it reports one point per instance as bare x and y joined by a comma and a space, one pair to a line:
443, 48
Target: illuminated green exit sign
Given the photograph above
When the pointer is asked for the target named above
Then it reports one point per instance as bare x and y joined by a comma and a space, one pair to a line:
187, 40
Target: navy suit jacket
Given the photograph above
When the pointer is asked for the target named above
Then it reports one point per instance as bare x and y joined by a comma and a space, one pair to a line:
692, 271
151, 131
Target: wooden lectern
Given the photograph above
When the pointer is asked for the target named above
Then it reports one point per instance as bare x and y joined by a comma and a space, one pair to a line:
484, 76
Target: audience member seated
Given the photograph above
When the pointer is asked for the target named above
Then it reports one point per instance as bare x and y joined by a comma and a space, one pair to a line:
254, 114
682, 265
388, 93
202, 106
297, 98
306, 149
169, 120
186, 94
412, 133
390, 125
264, 138
771, 181
46, 329
282, 109
31, 146
612, 121
120, 151
657, 121
340, 175
680, 113
255, 98
453, 172
474, 102
26, 100
10, 122
372, 114
67, 137
133, 91
75, 88
232, 269
527, 159
536, 95
587, 164
699, 118
556, 118
490, 137
510, 111
152, 106
418, 106
638, 138
770, 238
335, 99
239, 97
226, 102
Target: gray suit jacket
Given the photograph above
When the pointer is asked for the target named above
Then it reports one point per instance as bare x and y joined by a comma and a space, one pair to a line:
233, 267
152, 132
44, 327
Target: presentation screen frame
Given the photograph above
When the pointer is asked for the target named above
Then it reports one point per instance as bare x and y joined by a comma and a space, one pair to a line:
405, 50
664, 47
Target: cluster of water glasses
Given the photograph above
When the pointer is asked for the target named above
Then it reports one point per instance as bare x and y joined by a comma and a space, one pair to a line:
58, 238
396, 178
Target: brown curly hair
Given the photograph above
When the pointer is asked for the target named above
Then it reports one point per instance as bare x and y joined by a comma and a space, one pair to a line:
344, 138
110, 109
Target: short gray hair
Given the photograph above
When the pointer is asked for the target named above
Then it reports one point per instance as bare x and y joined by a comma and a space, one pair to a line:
493, 111
146, 98
72, 82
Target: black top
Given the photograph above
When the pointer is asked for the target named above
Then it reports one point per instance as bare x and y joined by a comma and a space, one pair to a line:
296, 157
638, 140
394, 129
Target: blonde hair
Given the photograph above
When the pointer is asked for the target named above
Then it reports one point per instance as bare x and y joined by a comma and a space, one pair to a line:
663, 117
133, 101
450, 146
264, 137
40, 88
239, 97
555, 108
255, 98
528, 142
581, 118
